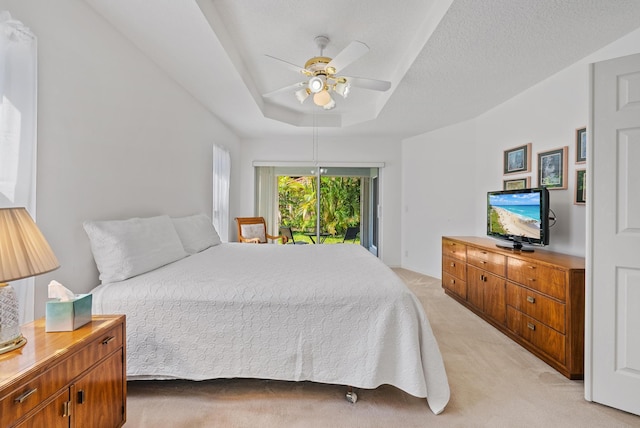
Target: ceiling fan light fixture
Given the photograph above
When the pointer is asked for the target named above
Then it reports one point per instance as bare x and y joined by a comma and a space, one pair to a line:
322, 98
302, 94
316, 84
331, 104
343, 89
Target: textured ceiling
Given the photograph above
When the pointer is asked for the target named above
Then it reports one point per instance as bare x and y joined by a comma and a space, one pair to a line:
448, 60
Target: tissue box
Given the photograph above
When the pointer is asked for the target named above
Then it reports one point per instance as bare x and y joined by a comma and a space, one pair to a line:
67, 316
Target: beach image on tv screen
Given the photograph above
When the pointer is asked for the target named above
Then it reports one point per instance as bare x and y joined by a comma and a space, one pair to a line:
515, 214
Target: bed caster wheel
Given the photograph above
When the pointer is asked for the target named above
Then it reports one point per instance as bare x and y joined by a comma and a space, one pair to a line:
352, 397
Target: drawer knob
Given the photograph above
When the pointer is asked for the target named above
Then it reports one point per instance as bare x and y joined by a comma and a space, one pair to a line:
531, 267
531, 326
483, 262
531, 299
108, 340
453, 281
19, 399
531, 279
453, 264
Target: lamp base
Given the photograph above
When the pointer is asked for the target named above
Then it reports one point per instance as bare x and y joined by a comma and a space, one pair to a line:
12, 345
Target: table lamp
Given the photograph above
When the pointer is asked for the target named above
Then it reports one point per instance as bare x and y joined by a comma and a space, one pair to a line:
23, 253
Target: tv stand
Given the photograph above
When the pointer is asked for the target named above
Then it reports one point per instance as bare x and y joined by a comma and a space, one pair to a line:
536, 299
517, 246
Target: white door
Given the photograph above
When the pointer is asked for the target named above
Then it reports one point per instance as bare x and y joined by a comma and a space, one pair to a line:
612, 360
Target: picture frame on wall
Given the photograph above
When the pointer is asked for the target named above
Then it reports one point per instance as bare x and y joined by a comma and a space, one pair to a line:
517, 159
552, 168
581, 187
517, 183
581, 145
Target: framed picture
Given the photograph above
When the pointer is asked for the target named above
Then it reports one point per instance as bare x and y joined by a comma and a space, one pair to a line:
581, 187
552, 168
581, 145
517, 159
517, 183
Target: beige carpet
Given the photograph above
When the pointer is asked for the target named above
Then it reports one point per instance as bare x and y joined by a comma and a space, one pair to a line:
494, 383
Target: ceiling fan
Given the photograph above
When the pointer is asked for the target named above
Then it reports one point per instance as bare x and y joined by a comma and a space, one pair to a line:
322, 75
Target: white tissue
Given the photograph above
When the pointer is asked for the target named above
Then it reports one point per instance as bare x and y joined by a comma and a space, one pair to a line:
57, 290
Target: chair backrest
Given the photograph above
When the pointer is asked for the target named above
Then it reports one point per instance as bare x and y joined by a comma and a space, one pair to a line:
252, 229
351, 234
286, 232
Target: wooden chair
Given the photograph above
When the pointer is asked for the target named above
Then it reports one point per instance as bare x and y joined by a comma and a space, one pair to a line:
351, 234
254, 230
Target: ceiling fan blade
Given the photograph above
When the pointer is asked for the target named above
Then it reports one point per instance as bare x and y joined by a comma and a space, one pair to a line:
361, 82
291, 66
352, 52
289, 89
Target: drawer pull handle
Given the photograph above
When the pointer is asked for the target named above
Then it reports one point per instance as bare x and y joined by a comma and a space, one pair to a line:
108, 340
531, 279
453, 281
82, 396
531, 267
453, 264
483, 262
24, 396
531, 326
66, 409
531, 299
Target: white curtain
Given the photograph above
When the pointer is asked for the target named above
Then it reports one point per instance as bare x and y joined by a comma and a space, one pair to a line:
267, 197
18, 97
221, 179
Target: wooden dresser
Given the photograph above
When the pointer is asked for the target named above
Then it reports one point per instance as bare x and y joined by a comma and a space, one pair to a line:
537, 299
66, 379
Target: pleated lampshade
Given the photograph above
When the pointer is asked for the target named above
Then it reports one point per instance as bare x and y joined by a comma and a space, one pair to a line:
23, 253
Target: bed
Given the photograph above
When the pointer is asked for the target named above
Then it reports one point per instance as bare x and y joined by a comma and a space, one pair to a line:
323, 313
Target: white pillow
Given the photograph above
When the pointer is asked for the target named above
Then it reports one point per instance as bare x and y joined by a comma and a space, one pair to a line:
126, 248
196, 233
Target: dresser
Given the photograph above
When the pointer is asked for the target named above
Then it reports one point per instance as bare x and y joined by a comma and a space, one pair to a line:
66, 379
536, 299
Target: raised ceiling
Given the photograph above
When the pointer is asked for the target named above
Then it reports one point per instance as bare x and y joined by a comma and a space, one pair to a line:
448, 60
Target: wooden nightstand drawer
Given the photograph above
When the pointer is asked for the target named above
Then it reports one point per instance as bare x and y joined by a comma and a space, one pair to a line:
27, 396
544, 279
538, 306
486, 260
453, 249
97, 350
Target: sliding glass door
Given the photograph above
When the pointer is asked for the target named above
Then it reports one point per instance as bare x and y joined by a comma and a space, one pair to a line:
322, 204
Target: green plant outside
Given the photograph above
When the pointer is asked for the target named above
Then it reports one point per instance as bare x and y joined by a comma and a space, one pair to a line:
339, 205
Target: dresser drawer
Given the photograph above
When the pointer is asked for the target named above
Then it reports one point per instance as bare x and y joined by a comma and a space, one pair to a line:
455, 285
539, 335
538, 306
544, 279
27, 396
97, 350
454, 267
454, 249
491, 262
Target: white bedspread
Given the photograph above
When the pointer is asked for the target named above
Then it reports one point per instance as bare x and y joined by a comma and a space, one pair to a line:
325, 313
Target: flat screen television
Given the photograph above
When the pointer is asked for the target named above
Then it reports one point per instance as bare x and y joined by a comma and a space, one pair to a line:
520, 216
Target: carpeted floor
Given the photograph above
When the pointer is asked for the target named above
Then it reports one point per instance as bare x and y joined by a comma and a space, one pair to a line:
494, 383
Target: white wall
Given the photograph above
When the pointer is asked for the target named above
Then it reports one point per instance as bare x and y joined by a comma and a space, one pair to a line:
335, 150
545, 115
116, 137
438, 192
